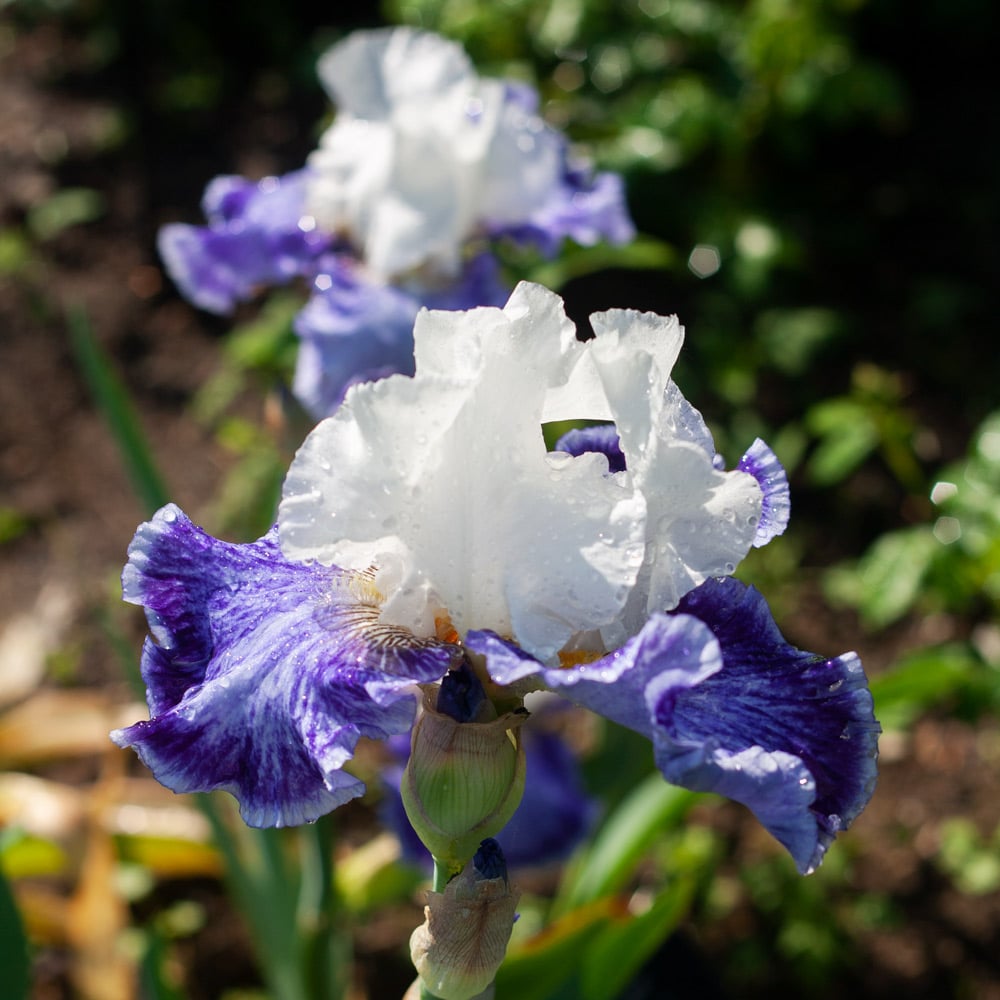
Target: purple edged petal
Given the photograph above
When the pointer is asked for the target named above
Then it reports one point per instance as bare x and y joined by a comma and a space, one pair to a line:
479, 284
350, 331
262, 673
776, 507
758, 461
602, 438
585, 208
257, 235
353, 330
678, 650
788, 733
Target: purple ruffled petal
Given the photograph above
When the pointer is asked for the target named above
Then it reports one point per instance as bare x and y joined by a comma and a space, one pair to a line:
789, 733
735, 710
679, 650
758, 460
256, 236
352, 330
776, 507
479, 284
263, 673
585, 208
602, 438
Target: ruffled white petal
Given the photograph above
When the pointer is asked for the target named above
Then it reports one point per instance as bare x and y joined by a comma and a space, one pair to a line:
369, 73
424, 155
445, 479
700, 521
442, 481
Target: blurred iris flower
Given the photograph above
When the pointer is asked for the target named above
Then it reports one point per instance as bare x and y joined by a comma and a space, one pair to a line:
425, 525
424, 168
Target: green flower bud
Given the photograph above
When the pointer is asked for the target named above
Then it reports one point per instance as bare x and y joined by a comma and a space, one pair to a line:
463, 940
463, 780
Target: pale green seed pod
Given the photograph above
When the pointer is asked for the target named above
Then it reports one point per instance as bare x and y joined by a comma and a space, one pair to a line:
463, 781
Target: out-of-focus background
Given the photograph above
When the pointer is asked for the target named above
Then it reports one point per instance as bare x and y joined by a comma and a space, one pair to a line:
815, 182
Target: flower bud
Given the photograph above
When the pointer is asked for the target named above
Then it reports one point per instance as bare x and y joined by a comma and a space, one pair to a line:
464, 780
463, 940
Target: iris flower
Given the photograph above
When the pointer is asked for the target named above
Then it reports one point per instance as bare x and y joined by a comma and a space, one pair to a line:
425, 524
424, 168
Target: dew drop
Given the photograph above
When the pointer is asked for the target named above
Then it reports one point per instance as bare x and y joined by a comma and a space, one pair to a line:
169, 516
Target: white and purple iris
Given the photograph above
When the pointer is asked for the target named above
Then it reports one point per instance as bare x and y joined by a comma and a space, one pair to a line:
425, 524
424, 167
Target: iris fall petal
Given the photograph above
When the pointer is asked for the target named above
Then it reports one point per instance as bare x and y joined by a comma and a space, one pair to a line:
262, 674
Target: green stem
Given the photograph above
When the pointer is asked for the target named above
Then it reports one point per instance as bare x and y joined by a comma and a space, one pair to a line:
442, 875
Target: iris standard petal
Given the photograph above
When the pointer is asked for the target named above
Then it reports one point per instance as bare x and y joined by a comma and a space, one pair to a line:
776, 505
262, 674
369, 73
700, 520
477, 518
789, 733
425, 155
